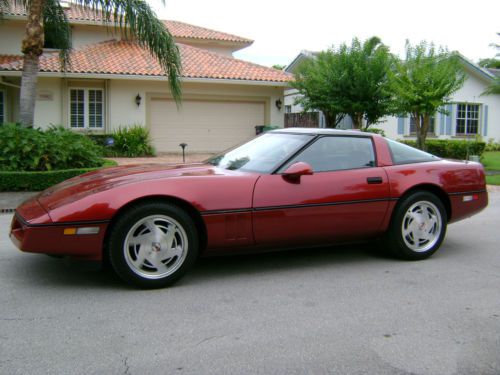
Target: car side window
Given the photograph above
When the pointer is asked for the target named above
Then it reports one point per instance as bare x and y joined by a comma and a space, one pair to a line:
334, 153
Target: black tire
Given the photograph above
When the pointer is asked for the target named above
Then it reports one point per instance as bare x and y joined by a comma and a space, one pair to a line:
419, 214
152, 244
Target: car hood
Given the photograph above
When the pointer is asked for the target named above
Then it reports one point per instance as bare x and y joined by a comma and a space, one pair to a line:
109, 178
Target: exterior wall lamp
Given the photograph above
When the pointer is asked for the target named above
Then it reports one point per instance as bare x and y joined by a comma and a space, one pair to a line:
138, 100
278, 104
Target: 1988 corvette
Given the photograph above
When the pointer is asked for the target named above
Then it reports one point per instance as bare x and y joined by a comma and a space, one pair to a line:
285, 189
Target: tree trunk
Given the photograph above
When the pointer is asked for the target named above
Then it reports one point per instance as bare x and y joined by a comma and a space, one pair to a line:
32, 48
421, 130
357, 120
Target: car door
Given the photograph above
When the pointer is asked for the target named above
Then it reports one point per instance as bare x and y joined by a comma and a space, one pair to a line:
346, 197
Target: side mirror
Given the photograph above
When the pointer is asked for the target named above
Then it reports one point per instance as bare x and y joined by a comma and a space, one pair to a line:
294, 171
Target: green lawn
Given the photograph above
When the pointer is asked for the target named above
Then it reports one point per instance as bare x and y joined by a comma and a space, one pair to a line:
491, 160
493, 180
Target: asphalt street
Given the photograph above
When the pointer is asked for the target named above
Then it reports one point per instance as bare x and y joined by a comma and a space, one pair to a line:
341, 310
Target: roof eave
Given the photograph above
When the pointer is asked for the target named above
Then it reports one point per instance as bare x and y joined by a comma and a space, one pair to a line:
137, 77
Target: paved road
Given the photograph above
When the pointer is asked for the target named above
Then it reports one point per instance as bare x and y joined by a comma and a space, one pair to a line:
341, 311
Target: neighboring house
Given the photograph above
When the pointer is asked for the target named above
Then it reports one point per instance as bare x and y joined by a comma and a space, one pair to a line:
470, 114
112, 82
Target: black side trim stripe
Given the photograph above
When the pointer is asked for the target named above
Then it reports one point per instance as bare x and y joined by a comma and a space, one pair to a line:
62, 224
292, 206
468, 192
233, 211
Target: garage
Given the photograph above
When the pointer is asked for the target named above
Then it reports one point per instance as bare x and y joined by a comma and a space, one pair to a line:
205, 125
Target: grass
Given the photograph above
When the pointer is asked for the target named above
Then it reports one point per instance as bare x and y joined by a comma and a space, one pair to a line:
493, 180
491, 160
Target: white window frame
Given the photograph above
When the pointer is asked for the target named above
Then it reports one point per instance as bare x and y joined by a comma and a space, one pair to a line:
456, 118
4, 106
86, 114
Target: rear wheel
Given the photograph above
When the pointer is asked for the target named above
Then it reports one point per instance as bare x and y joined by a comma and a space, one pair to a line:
418, 226
153, 244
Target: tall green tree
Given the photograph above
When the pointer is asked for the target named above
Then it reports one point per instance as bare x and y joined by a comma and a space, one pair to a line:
423, 82
348, 80
47, 20
494, 87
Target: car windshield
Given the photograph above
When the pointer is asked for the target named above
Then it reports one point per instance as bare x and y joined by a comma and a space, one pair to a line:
262, 154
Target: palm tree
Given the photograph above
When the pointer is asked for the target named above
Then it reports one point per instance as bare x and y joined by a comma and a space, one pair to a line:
47, 20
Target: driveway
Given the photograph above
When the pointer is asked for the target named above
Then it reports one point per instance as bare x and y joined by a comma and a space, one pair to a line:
343, 310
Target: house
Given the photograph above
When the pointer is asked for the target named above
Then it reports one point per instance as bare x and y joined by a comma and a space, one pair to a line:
112, 82
469, 113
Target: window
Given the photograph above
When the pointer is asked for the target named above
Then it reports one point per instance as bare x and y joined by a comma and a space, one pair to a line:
413, 126
337, 153
288, 109
403, 154
2, 107
86, 109
467, 119
262, 154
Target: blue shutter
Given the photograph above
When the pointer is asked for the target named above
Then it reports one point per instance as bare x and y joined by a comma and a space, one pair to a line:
449, 116
401, 125
485, 121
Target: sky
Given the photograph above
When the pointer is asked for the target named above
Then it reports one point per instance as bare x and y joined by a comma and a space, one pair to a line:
281, 29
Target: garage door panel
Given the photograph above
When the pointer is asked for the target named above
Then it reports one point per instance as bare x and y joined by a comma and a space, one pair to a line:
204, 125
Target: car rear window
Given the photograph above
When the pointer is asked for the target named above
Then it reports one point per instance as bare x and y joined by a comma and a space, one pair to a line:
404, 154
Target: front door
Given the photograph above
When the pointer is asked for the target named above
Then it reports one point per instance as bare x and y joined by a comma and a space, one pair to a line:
346, 197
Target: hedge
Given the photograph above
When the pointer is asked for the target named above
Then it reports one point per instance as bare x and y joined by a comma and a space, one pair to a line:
451, 149
36, 181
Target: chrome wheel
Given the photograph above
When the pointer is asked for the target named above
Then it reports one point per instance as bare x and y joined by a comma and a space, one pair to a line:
155, 247
421, 226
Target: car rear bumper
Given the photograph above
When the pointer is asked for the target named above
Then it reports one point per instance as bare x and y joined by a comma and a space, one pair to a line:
58, 238
466, 204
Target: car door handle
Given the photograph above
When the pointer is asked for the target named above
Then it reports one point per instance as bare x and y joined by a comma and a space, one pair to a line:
374, 180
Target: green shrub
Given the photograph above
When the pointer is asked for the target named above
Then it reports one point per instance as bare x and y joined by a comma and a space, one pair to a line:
28, 149
376, 131
451, 149
492, 145
36, 181
131, 141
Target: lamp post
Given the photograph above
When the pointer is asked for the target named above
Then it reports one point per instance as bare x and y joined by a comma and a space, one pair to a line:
183, 146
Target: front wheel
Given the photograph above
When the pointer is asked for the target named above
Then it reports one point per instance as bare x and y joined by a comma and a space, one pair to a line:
152, 244
418, 226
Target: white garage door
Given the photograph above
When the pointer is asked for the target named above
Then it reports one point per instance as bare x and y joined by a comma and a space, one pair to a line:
206, 126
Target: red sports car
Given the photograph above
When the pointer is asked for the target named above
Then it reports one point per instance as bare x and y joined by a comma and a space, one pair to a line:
284, 189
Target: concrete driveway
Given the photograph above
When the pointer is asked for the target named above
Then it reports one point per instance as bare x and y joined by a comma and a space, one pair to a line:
341, 310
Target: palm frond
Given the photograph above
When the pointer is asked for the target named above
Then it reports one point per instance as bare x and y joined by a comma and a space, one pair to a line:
136, 19
57, 30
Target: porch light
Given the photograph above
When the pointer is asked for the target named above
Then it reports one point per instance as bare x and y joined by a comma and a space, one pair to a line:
278, 104
138, 100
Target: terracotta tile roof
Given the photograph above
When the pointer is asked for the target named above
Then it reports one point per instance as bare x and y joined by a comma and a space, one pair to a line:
128, 58
185, 30
7, 59
176, 28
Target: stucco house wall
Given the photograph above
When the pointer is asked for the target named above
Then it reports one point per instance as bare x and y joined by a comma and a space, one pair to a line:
112, 64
